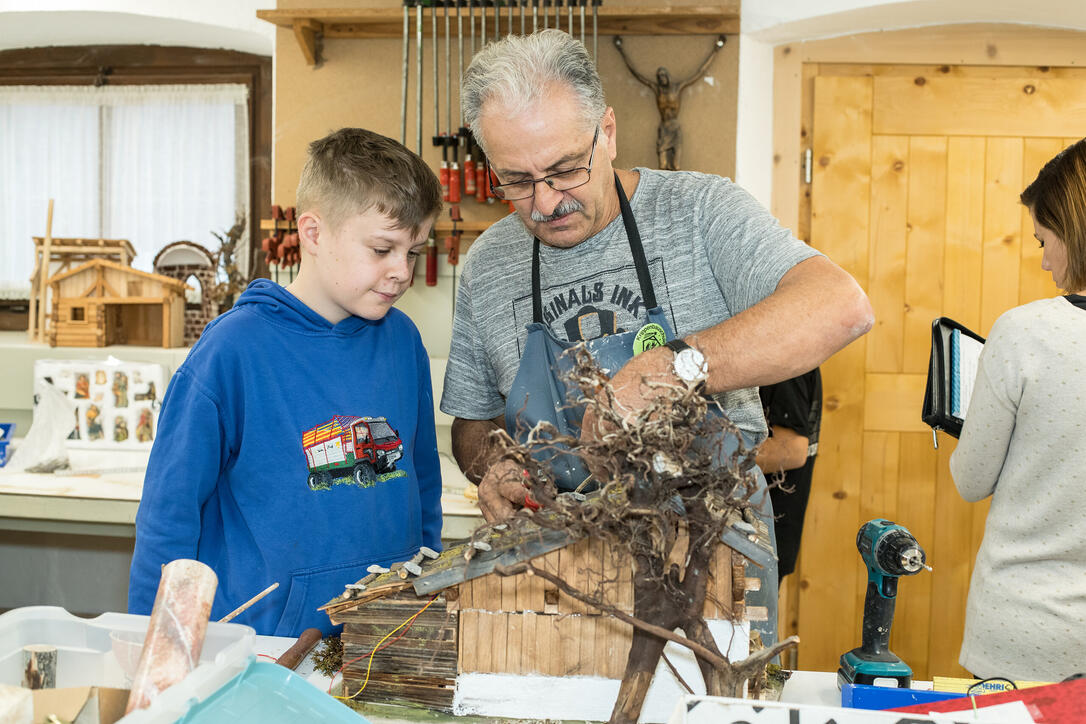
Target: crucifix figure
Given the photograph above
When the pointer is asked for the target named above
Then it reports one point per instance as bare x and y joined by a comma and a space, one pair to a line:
668, 92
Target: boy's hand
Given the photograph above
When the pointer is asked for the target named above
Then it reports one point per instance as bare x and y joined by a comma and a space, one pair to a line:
502, 491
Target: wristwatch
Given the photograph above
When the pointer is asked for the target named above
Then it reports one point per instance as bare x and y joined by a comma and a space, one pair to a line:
689, 365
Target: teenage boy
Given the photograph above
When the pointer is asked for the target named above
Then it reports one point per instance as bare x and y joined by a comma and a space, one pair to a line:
296, 443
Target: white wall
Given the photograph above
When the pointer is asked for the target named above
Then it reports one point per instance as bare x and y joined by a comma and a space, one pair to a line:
231, 25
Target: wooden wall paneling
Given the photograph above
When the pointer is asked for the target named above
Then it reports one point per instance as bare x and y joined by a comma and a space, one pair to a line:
468, 659
550, 645
508, 585
892, 402
531, 592
926, 228
951, 566
613, 640
529, 643
494, 592
964, 247
570, 627
571, 562
590, 665
1034, 282
916, 511
719, 589
958, 106
604, 644
890, 173
484, 642
839, 227
882, 456
550, 563
499, 640
1002, 229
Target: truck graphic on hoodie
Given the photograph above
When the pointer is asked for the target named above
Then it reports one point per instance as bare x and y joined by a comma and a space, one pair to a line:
362, 450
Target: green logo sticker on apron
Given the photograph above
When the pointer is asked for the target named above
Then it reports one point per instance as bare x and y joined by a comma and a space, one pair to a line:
649, 336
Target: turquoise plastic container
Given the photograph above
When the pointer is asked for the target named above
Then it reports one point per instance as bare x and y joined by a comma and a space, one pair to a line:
266, 693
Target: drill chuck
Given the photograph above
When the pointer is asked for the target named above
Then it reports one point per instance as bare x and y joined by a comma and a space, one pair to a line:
889, 549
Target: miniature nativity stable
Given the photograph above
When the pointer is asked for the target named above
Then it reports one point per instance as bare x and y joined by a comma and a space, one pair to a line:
55, 256
497, 645
103, 302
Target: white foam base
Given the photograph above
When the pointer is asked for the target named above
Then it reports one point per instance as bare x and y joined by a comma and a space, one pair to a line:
591, 697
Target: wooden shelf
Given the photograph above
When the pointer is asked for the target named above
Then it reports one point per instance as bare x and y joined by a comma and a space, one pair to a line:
468, 227
310, 23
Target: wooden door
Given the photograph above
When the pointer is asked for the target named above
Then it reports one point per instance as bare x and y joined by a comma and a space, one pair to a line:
915, 184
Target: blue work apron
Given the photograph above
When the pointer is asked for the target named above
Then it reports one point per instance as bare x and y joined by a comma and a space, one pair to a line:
539, 394
539, 391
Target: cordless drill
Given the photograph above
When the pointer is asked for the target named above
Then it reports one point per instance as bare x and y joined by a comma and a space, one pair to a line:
889, 551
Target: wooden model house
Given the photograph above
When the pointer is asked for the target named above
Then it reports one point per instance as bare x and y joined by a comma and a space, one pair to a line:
102, 303
194, 265
54, 256
522, 628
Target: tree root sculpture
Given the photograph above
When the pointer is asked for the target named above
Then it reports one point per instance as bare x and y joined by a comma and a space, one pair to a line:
664, 478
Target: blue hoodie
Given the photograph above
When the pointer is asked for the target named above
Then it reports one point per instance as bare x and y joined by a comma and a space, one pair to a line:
230, 484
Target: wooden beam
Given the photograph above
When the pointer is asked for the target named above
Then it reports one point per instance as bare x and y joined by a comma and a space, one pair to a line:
305, 32
43, 283
388, 22
166, 322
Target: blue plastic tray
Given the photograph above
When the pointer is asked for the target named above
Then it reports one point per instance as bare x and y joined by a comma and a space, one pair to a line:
266, 693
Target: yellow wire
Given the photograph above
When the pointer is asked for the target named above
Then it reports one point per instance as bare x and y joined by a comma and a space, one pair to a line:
375, 648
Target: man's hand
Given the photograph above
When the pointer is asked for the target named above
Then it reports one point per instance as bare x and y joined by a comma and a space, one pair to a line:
630, 392
502, 491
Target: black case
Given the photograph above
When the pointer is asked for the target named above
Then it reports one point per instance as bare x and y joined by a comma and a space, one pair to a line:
936, 409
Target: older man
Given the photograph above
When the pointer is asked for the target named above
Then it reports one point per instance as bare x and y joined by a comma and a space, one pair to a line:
616, 258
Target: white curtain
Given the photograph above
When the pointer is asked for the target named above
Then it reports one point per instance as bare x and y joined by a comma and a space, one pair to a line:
151, 164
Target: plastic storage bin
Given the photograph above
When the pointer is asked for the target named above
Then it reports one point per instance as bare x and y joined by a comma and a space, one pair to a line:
266, 693
103, 651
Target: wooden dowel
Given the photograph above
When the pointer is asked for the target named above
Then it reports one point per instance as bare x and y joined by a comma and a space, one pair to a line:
230, 616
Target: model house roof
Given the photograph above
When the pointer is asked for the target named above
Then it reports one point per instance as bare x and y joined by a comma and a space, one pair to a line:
106, 264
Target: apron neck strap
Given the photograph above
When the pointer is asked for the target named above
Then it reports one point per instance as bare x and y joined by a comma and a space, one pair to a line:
636, 249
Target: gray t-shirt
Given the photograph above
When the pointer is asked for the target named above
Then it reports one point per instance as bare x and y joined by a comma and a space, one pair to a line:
712, 251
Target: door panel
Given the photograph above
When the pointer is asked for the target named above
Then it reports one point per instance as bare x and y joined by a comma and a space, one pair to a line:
938, 105
915, 192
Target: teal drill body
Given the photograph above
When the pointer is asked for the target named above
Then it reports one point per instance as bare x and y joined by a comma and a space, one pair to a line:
889, 551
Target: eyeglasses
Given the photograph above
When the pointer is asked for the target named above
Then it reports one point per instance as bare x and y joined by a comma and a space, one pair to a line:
561, 181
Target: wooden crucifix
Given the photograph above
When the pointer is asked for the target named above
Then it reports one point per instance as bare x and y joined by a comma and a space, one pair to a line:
668, 94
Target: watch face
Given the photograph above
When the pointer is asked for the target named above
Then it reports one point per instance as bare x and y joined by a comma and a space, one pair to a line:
690, 365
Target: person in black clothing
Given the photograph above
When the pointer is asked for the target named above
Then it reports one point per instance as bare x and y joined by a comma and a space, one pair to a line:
793, 411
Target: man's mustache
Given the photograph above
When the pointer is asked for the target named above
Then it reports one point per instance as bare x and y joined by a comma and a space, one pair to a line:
566, 207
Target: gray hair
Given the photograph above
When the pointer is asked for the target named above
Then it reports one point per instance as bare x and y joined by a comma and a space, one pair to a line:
516, 70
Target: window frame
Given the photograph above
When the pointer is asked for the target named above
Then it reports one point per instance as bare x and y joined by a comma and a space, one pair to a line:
160, 65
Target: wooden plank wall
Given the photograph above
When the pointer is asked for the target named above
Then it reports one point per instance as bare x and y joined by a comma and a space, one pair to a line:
521, 624
416, 666
915, 193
